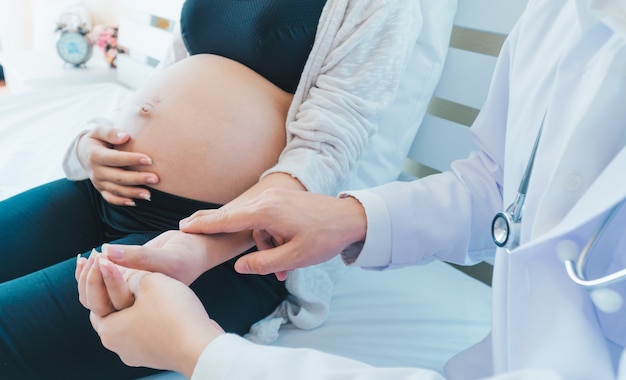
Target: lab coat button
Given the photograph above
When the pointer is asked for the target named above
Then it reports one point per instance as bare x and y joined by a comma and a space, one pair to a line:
573, 182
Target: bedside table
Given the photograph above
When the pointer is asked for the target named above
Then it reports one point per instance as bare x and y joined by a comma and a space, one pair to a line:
29, 70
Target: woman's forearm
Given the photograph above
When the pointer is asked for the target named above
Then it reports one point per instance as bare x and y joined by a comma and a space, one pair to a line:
271, 181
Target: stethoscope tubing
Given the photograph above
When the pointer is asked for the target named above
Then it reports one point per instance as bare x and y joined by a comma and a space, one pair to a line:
576, 268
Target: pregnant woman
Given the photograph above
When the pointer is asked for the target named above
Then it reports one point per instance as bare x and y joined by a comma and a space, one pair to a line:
211, 126
299, 87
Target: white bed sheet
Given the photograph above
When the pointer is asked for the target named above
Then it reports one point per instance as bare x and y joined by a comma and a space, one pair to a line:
37, 127
416, 316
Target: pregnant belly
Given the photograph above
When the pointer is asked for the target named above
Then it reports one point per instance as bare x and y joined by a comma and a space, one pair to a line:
210, 125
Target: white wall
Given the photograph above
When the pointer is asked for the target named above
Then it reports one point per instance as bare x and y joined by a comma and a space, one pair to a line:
29, 24
103, 11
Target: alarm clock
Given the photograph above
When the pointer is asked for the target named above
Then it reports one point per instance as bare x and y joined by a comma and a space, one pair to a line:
73, 44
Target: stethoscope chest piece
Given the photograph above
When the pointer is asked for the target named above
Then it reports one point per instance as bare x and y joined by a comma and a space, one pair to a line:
507, 225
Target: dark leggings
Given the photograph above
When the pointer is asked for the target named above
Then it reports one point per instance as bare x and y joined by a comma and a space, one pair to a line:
44, 331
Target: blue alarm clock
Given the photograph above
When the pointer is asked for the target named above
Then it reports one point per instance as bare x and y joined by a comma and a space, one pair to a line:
73, 43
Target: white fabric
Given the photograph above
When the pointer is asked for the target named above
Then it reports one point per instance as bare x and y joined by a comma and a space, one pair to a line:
412, 317
312, 365
540, 319
36, 128
417, 316
355, 114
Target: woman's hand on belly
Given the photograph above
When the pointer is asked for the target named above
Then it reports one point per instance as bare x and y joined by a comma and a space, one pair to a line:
108, 168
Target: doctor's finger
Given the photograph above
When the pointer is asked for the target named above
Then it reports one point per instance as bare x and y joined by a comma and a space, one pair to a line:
222, 221
116, 287
264, 240
275, 260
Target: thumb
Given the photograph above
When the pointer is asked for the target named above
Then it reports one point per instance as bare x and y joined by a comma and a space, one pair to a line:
133, 279
116, 137
277, 260
146, 258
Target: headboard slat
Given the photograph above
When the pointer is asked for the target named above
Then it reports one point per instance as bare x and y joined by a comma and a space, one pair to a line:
452, 111
477, 41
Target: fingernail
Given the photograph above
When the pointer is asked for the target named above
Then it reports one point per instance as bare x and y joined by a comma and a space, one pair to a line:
183, 222
145, 161
244, 268
121, 135
130, 203
146, 196
105, 268
113, 251
152, 180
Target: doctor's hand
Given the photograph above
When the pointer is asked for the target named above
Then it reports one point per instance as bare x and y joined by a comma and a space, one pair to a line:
107, 167
166, 327
292, 229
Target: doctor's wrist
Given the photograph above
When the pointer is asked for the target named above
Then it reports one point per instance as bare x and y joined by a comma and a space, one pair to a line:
356, 219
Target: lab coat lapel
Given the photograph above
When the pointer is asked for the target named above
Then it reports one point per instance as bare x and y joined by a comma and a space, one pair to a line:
595, 135
607, 191
554, 318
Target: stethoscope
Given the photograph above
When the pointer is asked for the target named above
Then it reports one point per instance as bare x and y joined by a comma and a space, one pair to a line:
505, 232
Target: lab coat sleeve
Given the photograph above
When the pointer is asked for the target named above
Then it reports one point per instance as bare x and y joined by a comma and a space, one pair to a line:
232, 357
446, 216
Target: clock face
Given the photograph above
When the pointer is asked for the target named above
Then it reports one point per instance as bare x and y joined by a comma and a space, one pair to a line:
74, 48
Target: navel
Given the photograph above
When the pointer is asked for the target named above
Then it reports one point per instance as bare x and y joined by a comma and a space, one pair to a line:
146, 108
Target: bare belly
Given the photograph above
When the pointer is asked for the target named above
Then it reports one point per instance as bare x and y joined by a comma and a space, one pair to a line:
211, 126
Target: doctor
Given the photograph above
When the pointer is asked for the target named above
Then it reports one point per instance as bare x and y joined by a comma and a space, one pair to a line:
559, 85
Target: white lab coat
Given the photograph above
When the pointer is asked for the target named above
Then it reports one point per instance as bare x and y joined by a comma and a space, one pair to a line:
566, 63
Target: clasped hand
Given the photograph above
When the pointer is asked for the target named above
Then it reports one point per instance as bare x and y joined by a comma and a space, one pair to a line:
148, 319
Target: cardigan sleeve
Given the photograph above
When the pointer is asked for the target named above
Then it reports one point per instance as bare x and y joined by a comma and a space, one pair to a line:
72, 168
351, 77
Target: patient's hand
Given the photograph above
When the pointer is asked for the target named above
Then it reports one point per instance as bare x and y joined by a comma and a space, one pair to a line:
177, 254
102, 286
107, 167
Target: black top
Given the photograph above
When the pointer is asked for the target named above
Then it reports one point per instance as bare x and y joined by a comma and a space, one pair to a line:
272, 37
